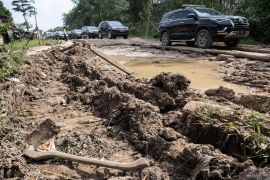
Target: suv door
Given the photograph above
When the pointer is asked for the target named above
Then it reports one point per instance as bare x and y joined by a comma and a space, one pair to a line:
187, 28
174, 25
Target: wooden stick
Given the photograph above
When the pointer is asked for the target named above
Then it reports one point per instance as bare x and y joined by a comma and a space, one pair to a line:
112, 62
138, 164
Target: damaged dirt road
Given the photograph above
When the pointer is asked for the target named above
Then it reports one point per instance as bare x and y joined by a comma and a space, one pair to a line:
89, 108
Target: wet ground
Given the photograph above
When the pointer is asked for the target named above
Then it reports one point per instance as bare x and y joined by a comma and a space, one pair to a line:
147, 63
104, 113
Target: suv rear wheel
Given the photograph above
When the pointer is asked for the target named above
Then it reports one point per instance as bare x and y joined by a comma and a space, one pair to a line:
165, 39
232, 42
204, 39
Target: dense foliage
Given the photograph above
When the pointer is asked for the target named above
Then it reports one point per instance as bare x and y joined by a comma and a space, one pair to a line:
258, 13
4, 12
143, 16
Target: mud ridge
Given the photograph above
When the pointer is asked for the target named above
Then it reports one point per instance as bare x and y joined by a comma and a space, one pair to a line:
184, 134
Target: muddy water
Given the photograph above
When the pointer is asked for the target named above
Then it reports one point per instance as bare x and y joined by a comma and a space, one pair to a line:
147, 63
202, 73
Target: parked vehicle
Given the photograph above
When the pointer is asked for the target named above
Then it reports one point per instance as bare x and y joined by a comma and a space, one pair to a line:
90, 31
112, 29
202, 26
59, 35
75, 34
49, 35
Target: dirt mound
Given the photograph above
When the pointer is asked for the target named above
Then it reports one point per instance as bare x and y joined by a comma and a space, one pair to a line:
254, 74
170, 82
182, 133
256, 102
221, 92
165, 97
141, 110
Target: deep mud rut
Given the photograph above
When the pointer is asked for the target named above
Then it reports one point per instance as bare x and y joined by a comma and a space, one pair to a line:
106, 114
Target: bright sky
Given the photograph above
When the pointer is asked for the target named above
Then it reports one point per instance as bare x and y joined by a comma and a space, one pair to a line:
49, 12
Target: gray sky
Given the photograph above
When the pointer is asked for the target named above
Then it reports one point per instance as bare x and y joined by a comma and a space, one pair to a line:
50, 12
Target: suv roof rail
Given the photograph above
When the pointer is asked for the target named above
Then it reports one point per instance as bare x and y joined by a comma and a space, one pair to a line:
192, 6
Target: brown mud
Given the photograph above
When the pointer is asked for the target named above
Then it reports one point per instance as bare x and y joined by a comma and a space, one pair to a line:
103, 113
147, 63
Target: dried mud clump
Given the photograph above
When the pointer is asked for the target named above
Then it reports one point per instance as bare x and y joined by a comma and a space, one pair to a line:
221, 92
234, 133
143, 125
256, 102
167, 93
170, 82
12, 164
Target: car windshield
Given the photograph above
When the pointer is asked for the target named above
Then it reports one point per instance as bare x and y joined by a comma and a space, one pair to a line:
204, 12
78, 31
115, 23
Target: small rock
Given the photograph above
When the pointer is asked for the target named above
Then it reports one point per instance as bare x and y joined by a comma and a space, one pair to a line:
221, 92
169, 134
16, 80
224, 57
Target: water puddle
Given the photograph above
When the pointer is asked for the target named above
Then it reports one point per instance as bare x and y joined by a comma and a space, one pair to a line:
202, 73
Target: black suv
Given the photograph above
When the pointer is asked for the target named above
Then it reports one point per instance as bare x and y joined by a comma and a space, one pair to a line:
199, 25
112, 29
75, 34
90, 31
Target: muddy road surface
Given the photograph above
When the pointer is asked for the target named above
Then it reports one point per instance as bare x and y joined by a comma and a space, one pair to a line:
182, 112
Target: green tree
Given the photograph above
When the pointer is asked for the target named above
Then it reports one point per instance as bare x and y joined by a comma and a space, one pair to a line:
93, 12
257, 11
25, 7
4, 12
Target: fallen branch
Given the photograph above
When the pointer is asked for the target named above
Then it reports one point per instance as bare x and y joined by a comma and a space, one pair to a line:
241, 54
35, 155
241, 48
238, 54
112, 62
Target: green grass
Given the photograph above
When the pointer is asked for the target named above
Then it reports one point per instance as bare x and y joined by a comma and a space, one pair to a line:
21, 44
9, 62
13, 54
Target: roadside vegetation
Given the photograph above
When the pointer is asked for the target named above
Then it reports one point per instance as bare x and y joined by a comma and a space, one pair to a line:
22, 44
9, 62
143, 16
13, 54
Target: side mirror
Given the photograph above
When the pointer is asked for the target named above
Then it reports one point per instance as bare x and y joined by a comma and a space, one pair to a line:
191, 15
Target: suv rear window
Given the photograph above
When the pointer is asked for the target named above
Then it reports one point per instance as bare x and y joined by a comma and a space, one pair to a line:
181, 14
166, 16
207, 12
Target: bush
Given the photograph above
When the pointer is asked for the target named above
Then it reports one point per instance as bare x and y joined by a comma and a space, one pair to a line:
9, 63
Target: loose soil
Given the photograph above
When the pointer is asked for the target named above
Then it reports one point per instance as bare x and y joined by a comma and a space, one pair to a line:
106, 114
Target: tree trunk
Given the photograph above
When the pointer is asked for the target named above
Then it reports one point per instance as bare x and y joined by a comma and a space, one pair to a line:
26, 22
